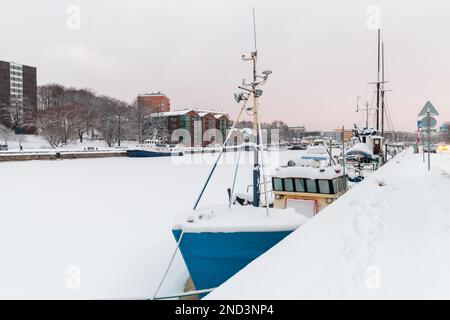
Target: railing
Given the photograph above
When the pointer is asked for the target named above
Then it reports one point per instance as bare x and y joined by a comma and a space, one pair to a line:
261, 185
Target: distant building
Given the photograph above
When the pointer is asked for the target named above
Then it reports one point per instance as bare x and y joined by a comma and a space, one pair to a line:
336, 135
154, 102
197, 123
18, 88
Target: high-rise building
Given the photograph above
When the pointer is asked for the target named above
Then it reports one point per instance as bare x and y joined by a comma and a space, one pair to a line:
153, 103
18, 95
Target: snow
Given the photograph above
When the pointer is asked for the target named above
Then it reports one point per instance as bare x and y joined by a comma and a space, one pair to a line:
317, 150
238, 219
110, 219
387, 240
309, 172
359, 148
34, 143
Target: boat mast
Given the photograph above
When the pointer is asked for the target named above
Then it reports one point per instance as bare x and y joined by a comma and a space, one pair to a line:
256, 175
366, 109
378, 82
253, 89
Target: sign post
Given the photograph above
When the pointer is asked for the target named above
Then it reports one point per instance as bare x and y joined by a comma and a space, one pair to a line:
428, 133
427, 122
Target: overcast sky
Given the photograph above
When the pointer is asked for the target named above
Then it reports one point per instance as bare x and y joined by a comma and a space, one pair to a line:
322, 52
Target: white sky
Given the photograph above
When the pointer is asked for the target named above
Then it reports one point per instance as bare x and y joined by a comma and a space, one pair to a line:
321, 52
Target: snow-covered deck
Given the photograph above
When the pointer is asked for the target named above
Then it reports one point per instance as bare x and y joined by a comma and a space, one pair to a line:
389, 237
239, 219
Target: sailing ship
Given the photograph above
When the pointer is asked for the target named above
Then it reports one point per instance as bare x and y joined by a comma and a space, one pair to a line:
366, 152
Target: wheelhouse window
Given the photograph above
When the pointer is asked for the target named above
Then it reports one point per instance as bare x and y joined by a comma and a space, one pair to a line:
299, 185
277, 184
324, 186
311, 186
335, 185
289, 185
341, 184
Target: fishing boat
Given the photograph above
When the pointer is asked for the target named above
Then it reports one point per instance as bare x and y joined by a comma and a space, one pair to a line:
308, 189
217, 241
154, 148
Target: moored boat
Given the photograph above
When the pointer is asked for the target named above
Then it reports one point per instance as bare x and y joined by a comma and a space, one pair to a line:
154, 148
217, 241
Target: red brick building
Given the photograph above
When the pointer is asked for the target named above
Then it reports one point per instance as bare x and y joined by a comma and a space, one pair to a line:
154, 103
196, 123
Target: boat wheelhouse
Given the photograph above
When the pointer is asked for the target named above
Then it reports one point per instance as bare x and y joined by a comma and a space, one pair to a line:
307, 189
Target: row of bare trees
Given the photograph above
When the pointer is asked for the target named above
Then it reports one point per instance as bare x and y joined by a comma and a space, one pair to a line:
65, 114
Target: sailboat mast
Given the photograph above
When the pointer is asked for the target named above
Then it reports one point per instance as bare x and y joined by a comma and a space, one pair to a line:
378, 82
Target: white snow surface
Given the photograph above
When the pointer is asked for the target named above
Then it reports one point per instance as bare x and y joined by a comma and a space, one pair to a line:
105, 222
387, 238
220, 218
360, 148
309, 172
317, 150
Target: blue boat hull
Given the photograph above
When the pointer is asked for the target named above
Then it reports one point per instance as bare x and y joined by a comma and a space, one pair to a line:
213, 258
151, 154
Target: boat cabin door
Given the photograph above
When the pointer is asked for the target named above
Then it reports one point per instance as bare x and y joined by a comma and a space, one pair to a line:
376, 146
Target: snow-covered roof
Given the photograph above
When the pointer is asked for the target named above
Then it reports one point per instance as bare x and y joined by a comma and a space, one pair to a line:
171, 113
360, 148
184, 111
238, 218
327, 173
152, 94
220, 115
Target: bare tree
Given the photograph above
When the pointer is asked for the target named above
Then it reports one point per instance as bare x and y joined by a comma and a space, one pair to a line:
56, 115
137, 118
113, 119
5, 133
156, 127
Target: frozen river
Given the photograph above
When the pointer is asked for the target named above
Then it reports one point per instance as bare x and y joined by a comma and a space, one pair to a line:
101, 228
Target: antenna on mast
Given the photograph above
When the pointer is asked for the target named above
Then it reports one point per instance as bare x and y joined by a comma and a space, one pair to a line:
254, 26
